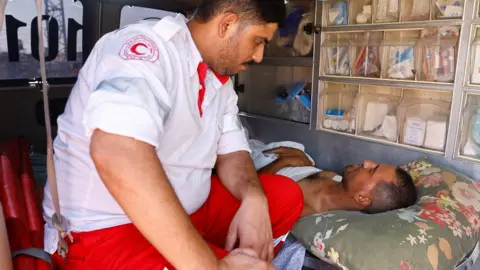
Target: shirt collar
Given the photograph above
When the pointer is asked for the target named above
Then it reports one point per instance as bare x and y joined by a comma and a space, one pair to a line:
169, 26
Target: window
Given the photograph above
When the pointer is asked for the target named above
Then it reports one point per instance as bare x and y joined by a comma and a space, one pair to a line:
62, 38
133, 14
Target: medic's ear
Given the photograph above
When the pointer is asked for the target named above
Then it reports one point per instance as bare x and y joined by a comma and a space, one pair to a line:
227, 22
363, 199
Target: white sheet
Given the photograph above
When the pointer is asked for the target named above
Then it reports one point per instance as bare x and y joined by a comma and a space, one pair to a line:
261, 160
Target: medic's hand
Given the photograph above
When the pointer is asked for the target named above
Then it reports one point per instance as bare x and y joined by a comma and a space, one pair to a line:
252, 226
290, 157
244, 259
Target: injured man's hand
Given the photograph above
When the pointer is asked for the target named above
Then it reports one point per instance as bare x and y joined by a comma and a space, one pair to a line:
368, 187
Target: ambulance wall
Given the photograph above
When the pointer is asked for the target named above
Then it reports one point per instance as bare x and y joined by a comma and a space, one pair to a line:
330, 151
18, 113
333, 152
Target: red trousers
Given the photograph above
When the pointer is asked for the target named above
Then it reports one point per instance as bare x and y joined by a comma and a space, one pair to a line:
124, 247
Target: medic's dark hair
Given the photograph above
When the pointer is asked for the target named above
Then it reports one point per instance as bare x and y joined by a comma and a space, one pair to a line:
253, 11
392, 196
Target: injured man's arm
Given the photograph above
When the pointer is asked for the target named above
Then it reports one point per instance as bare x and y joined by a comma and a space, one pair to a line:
368, 187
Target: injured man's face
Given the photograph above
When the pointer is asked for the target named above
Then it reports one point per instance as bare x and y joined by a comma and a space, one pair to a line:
368, 187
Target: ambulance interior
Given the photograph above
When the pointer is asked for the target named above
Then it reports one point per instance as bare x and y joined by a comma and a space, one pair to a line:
393, 81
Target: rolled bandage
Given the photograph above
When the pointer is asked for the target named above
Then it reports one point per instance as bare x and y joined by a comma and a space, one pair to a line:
230, 123
362, 18
327, 123
343, 125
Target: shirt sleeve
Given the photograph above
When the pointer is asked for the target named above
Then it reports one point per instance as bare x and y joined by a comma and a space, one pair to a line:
128, 96
232, 138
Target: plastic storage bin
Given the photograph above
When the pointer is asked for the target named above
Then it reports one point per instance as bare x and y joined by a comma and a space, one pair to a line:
339, 107
448, 9
337, 55
399, 60
377, 112
367, 55
475, 64
361, 12
386, 11
438, 54
337, 12
470, 127
415, 10
423, 120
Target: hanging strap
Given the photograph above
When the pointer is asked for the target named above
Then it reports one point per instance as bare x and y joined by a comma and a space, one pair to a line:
58, 221
3, 4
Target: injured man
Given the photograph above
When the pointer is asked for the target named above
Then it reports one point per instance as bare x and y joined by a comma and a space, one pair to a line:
369, 187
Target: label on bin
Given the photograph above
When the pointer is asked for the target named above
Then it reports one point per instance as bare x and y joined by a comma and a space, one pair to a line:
414, 131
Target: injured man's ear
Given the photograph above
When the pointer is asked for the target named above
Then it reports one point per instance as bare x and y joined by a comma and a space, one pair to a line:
369, 187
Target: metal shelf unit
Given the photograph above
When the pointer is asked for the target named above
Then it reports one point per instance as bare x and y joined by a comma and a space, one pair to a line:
297, 61
457, 88
272, 119
391, 26
286, 61
387, 82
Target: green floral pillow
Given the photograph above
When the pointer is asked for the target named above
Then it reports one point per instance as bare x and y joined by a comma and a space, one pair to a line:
437, 233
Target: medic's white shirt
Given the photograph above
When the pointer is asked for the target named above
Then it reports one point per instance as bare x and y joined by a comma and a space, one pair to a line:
142, 82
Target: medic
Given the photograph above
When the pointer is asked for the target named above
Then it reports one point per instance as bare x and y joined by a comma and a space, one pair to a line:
152, 113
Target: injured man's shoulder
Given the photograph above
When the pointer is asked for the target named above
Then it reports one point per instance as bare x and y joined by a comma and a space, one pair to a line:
369, 187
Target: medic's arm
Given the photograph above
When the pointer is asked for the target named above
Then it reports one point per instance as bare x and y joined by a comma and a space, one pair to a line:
234, 165
124, 121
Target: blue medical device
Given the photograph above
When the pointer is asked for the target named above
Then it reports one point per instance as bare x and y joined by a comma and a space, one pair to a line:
295, 91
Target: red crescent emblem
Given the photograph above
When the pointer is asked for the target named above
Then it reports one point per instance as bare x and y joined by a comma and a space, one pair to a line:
134, 48
140, 47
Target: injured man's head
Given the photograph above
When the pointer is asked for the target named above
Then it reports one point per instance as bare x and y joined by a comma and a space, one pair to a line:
379, 187
369, 187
